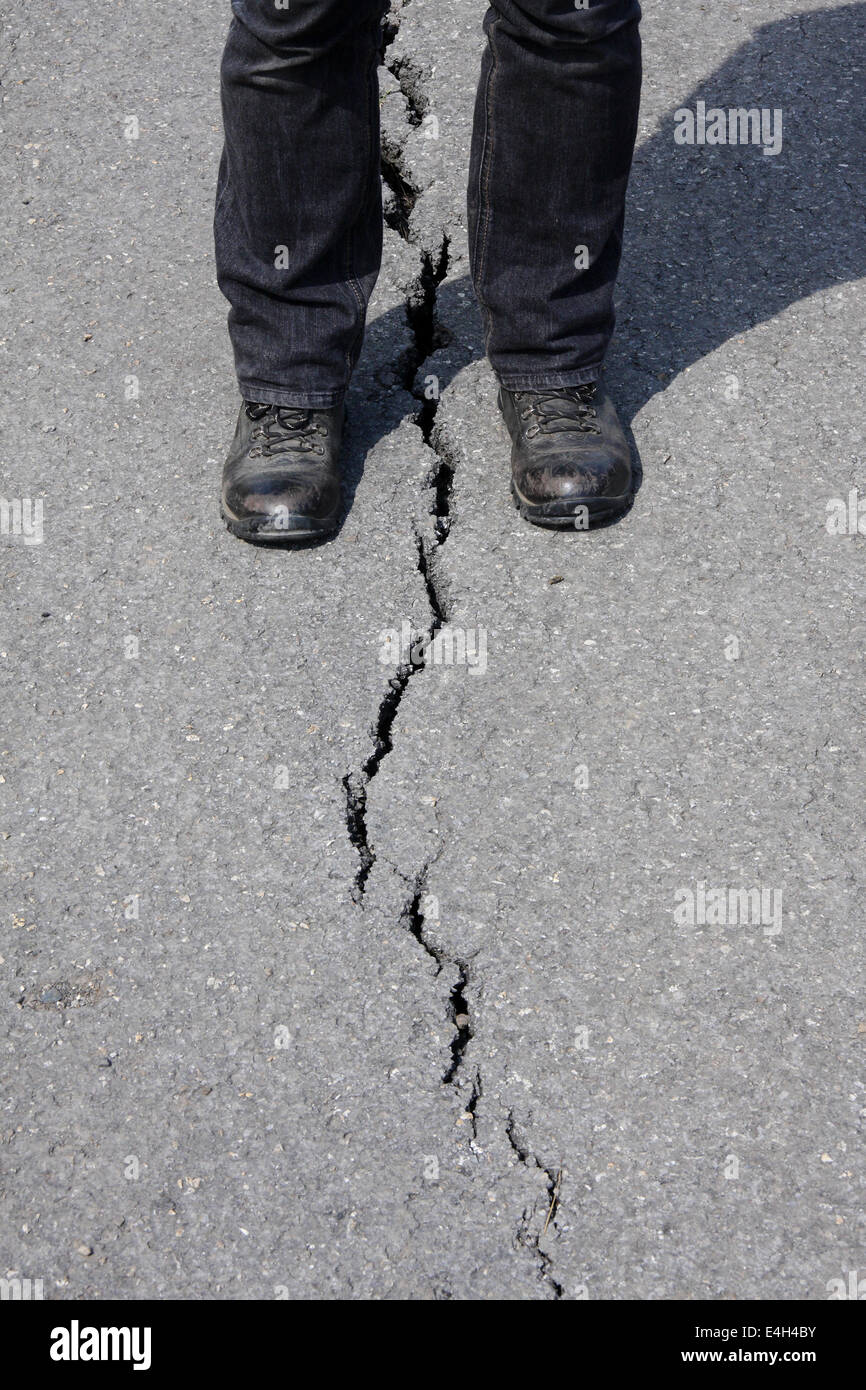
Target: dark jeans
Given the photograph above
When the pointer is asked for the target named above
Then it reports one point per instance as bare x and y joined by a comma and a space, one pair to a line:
298, 218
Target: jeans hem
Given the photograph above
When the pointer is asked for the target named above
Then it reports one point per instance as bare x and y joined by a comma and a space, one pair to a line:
541, 381
298, 400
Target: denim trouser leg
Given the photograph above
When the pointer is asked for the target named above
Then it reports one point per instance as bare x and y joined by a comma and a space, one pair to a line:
298, 220
555, 125
298, 217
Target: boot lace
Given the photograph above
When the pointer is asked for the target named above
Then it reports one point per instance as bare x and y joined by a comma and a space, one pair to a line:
282, 429
567, 408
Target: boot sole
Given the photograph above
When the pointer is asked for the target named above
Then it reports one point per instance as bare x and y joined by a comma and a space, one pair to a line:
296, 528
552, 515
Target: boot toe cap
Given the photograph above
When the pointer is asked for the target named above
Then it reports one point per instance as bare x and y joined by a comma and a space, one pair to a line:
573, 481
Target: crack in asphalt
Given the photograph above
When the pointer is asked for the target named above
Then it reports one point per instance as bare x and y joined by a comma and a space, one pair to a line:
525, 1236
414, 920
421, 315
428, 335
404, 195
356, 784
410, 80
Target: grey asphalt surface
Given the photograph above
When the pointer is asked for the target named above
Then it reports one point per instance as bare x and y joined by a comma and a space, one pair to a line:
324, 978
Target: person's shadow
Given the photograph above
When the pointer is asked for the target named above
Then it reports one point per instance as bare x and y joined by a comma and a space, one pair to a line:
719, 238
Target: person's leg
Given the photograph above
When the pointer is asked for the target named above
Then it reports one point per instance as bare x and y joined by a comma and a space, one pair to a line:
298, 233
298, 216
555, 124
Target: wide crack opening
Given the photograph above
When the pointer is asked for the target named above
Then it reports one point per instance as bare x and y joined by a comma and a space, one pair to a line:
462, 1025
356, 784
414, 920
397, 209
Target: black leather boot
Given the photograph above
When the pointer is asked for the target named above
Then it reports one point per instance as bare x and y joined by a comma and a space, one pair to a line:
281, 480
570, 460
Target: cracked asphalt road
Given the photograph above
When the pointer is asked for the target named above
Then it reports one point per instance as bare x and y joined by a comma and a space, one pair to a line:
334, 971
